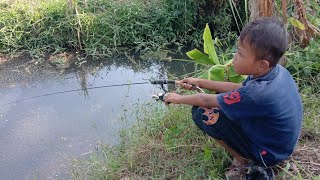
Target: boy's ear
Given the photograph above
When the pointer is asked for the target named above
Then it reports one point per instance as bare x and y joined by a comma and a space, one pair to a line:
264, 64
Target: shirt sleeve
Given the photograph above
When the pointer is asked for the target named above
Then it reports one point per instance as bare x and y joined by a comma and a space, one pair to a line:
237, 104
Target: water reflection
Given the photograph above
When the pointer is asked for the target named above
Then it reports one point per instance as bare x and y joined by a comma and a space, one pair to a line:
38, 136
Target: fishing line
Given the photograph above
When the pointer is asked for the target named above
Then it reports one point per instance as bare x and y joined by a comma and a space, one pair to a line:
74, 90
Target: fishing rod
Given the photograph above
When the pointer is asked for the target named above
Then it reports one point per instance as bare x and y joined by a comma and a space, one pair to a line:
159, 82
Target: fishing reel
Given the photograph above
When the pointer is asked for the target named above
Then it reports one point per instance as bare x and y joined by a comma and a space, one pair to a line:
162, 96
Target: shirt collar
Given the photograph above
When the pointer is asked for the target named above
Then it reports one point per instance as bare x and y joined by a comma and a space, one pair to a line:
269, 75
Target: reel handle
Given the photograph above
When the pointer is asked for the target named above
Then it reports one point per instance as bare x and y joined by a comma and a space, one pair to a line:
160, 97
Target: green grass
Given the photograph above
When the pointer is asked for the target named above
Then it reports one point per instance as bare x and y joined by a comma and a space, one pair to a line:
305, 67
311, 106
164, 144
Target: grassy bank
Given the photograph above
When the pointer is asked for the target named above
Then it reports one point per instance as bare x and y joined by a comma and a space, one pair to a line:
100, 27
163, 144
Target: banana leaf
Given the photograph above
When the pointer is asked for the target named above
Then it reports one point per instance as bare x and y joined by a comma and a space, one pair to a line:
209, 46
236, 79
216, 73
199, 57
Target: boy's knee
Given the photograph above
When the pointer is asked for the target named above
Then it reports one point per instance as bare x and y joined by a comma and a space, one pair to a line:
196, 113
198, 118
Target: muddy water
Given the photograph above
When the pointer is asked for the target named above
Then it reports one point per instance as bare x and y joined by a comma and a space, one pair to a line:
39, 137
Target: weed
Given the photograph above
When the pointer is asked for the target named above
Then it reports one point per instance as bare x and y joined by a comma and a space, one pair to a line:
303, 64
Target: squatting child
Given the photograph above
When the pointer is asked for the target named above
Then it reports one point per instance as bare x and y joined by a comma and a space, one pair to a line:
258, 120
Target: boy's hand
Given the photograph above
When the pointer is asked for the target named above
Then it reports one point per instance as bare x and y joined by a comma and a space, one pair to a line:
172, 98
188, 83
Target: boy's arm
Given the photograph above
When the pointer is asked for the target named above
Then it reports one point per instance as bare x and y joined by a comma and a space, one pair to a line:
218, 86
200, 99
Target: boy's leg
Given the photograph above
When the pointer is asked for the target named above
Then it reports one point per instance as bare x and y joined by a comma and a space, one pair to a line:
240, 161
227, 133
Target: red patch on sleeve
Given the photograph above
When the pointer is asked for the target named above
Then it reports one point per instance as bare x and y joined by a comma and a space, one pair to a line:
232, 97
264, 152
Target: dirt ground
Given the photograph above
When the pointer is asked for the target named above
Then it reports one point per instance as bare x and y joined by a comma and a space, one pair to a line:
3, 59
304, 162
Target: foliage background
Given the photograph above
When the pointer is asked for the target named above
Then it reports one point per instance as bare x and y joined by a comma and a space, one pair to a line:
99, 27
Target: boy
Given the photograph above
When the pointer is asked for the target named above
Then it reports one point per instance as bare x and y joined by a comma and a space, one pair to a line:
258, 120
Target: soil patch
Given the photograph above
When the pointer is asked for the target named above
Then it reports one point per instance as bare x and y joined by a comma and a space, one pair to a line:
305, 161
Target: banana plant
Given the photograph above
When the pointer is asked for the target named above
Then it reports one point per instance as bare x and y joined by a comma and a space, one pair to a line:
218, 71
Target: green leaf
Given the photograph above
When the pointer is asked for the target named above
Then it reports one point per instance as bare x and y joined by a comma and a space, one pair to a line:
287, 166
314, 20
199, 57
209, 46
236, 79
296, 23
207, 153
231, 75
216, 73
204, 75
173, 129
232, 72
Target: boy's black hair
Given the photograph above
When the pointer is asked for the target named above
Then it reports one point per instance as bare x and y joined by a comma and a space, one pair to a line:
268, 38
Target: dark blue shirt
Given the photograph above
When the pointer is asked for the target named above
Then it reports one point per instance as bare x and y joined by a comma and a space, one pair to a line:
269, 110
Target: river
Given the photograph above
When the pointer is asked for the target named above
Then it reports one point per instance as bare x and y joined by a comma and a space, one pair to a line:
39, 136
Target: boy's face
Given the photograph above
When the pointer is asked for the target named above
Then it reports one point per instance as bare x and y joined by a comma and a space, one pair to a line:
244, 60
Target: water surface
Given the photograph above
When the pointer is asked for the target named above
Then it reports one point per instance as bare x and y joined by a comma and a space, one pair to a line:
39, 136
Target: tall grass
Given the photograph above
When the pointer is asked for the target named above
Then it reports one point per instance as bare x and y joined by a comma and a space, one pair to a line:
36, 25
99, 27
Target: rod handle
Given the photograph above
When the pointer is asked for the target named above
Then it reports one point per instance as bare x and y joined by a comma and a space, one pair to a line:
163, 81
